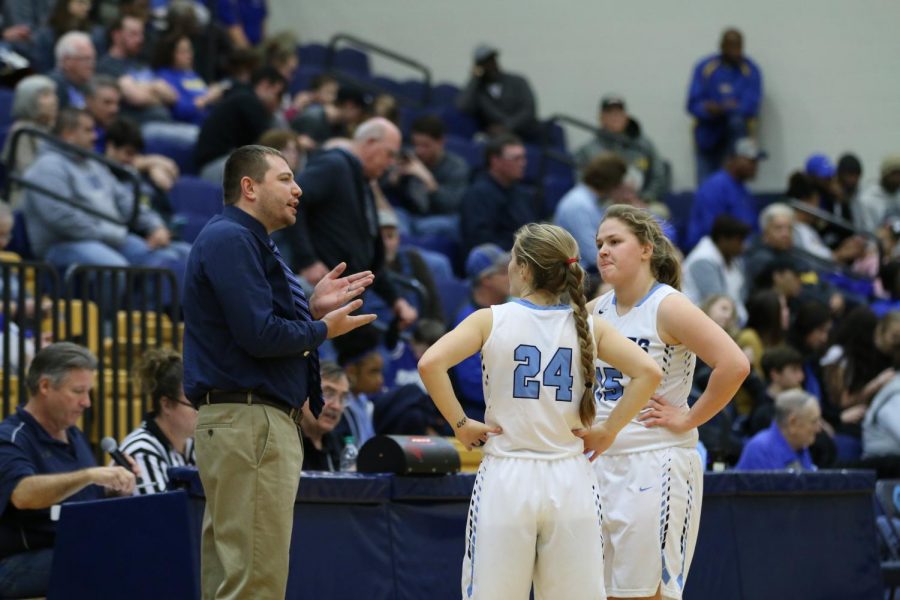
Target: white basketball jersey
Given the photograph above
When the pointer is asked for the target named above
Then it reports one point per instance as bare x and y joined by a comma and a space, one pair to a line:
532, 379
640, 325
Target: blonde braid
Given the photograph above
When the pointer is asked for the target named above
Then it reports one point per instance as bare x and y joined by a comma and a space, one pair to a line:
574, 286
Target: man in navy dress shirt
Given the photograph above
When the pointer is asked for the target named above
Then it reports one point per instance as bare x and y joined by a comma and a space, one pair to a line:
251, 362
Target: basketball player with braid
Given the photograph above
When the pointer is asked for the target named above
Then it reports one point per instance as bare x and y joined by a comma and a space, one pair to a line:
535, 513
651, 479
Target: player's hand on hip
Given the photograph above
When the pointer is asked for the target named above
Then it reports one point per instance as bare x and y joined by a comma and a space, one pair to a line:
334, 291
474, 434
340, 321
659, 413
597, 440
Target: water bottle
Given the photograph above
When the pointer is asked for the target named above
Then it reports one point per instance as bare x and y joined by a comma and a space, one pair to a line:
348, 455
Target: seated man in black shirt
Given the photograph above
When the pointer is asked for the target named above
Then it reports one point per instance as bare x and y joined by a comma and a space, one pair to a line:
321, 446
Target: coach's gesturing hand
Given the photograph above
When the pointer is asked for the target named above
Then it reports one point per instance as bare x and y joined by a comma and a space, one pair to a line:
340, 321
473, 434
333, 291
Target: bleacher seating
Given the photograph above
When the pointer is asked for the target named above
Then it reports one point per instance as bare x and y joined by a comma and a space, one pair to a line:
391, 86
302, 78
413, 89
6, 101
453, 293
194, 202
471, 152
312, 54
353, 61
444, 94
181, 153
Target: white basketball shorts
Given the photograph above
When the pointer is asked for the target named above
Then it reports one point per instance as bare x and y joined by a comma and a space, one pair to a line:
651, 514
534, 520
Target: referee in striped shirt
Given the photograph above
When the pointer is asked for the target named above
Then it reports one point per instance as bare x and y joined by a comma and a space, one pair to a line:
165, 438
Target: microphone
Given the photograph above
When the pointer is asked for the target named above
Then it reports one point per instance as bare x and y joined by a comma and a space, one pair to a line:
110, 446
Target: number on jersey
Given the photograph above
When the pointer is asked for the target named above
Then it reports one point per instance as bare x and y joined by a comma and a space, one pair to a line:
557, 373
609, 384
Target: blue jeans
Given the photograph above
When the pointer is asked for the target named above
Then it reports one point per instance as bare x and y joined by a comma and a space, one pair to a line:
26, 575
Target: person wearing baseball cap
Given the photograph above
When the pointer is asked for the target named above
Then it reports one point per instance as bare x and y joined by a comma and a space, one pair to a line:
725, 192
621, 135
501, 102
881, 199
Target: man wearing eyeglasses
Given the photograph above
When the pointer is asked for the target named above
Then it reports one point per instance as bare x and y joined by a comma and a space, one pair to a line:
496, 205
321, 446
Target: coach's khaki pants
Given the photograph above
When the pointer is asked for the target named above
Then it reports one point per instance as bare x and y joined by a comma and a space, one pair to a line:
249, 459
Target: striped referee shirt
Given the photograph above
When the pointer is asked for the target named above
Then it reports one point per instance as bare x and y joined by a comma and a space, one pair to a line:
154, 454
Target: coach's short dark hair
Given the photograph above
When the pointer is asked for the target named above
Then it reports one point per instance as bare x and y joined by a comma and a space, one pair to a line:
496, 144
430, 125
246, 161
55, 361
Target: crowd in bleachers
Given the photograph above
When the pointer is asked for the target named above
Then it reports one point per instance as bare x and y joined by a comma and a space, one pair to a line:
165, 93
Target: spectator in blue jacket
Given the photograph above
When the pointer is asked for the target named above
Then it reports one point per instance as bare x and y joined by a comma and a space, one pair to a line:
725, 192
785, 444
724, 98
495, 205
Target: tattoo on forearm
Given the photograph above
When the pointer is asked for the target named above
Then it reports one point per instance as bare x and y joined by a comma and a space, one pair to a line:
461, 422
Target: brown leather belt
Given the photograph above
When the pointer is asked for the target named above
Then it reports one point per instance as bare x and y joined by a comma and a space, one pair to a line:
251, 398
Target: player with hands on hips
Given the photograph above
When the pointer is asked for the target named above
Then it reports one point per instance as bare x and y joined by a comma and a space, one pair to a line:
535, 512
651, 479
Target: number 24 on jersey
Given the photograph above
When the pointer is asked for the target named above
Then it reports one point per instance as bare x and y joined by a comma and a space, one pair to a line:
529, 374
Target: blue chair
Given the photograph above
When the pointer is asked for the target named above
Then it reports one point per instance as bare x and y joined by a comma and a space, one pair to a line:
194, 202
303, 77
181, 153
454, 293
458, 123
312, 54
555, 188
444, 94
471, 152
19, 242
391, 86
533, 168
6, 101
680, 213
556, 135
352, 61
413, 89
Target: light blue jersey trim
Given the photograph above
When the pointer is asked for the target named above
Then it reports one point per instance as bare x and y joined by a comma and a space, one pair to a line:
655, 287
528, 304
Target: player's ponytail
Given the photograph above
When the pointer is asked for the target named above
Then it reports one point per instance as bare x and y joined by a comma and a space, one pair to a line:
664, 262
587, 410
551, 253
